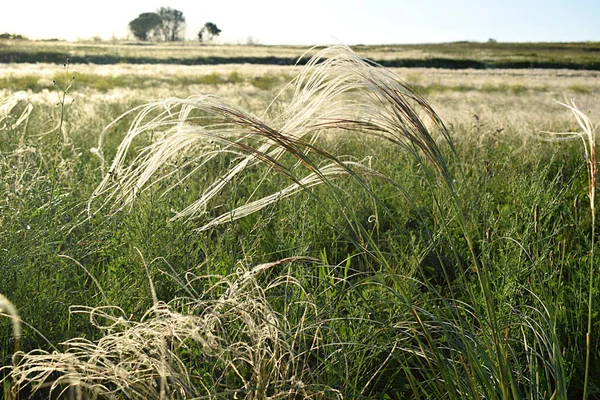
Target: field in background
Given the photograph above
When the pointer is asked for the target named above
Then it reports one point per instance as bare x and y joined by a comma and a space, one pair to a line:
377, 296
522, 99
448, 55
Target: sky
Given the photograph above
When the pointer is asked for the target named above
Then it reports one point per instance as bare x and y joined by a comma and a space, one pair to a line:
318, 22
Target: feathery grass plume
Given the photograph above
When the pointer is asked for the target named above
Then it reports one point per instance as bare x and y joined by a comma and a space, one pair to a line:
238, 345
8, 104
336, 92
9, 310
14, 143
7, 307
330, 171
587, 135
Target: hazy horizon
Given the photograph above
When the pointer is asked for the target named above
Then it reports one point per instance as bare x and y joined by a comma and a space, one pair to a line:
320, 22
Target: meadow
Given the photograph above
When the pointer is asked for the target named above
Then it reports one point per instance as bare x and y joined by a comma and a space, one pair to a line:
329, 230
454, 55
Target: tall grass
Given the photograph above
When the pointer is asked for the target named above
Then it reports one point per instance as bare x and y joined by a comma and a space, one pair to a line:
225, 342
587, 135
405, 313
336, 92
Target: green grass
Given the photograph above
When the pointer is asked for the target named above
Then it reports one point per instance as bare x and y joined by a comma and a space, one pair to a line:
104, 83
464, 273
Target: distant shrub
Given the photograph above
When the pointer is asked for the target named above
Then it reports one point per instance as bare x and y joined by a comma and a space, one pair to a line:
235, 77
210, 79
8, 36
252, 41
265, 82
580, 89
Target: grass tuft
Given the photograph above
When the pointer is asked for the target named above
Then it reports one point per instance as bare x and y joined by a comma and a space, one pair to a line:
336, 93
227, 341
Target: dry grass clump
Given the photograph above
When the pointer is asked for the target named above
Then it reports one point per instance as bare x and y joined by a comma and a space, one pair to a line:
225, 342
337, 92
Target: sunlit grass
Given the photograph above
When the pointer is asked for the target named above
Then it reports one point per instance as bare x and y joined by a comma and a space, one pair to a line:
335, 241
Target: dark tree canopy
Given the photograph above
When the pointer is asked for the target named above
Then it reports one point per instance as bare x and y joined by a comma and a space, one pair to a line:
212, 29
145, 25
173, 23
209, 31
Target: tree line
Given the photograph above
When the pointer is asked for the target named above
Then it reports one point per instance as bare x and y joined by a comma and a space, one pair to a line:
167, 24
14, 36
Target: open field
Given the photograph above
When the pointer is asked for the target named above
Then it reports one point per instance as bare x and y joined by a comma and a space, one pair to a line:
326, 242
448, 55
497, 96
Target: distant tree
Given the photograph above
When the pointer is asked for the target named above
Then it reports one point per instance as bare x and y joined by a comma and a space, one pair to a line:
173, 23
252, 41
200, 35
145, 25
211, 30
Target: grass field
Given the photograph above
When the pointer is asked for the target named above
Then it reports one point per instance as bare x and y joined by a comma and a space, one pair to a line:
455, 55
342, 237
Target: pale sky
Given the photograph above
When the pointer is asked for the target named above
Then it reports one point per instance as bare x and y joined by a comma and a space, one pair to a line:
317, 22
